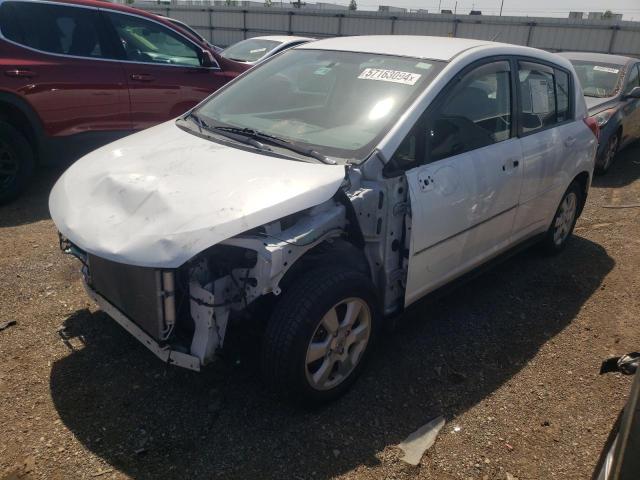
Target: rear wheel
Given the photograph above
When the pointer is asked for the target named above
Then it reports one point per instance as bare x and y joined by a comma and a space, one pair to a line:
611, 150
16, 162
320, 335
564, 220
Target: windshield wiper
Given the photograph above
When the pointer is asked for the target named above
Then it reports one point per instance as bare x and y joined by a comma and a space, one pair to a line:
202, 125
265, 137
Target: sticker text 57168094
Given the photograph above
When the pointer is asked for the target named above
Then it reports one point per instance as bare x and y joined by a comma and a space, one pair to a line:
395, 76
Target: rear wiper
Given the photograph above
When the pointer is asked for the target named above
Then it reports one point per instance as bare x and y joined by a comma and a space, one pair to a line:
202, 125
265, 137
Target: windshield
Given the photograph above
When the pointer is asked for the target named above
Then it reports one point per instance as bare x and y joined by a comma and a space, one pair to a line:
250, 50
337, 103
598, 79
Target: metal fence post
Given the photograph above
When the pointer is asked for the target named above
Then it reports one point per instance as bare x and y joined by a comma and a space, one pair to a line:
614, 32
340, 17
211, 25
393, 25
244, 24
530, 32
290, 22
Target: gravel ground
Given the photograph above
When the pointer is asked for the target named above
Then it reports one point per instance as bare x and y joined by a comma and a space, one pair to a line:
510, 359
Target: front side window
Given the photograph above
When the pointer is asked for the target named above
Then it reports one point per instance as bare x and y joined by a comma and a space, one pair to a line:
633, 79
537, 96
474, 113
250, 50
598, 79
59, 29
337, 103
149, 42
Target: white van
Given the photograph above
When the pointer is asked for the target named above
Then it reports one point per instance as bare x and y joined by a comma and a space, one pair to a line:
324, 191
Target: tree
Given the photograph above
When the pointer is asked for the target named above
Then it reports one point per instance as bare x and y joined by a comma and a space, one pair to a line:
353, 5
268, 3
607, 14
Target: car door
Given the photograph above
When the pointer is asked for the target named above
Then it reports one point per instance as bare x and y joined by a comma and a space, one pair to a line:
67, 70
163, 68
549, 136
463, 168
631, 106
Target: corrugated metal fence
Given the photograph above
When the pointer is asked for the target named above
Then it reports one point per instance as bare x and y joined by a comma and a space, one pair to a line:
226, 25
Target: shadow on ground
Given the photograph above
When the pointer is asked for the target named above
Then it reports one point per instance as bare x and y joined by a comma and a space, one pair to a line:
33, 204
118, 399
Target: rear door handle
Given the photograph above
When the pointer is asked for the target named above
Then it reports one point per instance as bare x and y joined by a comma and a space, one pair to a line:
20, 72
570, 141
142, 77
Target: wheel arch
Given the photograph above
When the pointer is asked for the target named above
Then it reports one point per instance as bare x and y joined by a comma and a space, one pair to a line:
23, 118
340, 251
583, 179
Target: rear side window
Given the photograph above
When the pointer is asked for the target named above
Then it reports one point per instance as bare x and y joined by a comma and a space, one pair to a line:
545, 96
56, 29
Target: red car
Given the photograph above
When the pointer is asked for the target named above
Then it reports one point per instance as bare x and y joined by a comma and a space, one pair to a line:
79, 73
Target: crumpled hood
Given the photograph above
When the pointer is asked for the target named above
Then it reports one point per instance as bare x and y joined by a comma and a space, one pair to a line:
596, 104
159, 197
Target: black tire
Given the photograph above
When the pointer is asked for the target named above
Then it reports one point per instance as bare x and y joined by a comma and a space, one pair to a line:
550, 242
297, 319
16, 162
611, 150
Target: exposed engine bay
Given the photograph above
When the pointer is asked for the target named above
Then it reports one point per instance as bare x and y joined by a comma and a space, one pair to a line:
183, 314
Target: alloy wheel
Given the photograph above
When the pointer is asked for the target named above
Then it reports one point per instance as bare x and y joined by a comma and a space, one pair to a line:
565, 218
338, 343
612, 149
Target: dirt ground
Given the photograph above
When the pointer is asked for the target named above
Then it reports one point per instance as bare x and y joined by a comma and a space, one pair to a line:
510, 359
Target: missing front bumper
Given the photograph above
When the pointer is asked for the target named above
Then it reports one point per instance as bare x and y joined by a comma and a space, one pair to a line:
164, 353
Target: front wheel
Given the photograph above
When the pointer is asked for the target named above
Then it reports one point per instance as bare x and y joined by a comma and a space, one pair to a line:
16, 162
611, 150
320, 335
564, 220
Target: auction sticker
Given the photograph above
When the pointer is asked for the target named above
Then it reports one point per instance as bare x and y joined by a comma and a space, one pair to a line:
395, 76
606, 69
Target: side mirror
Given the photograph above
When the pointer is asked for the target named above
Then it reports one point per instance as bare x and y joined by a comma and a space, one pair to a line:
206, 59
634, 93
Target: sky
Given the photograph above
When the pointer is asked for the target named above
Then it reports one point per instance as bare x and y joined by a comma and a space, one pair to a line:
533, 8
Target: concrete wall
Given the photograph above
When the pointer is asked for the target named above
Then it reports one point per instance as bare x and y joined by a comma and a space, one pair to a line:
226, 25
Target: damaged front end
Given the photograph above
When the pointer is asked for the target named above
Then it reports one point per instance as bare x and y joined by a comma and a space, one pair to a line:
182, 314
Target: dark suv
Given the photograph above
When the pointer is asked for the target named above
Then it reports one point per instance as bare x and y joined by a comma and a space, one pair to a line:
79, 73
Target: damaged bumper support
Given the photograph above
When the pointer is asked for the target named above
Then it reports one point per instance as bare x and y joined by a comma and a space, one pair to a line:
164, 353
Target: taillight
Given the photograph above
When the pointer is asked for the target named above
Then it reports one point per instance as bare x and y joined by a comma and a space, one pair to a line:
593, 126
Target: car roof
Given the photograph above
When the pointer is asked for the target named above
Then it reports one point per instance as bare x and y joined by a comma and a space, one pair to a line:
435, 48
598, 57
282, 38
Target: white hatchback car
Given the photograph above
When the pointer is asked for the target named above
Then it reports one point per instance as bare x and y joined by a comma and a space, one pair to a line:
325, 191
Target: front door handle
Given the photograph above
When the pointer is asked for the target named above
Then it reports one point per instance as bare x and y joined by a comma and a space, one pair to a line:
570, 141
142, 77
514, 163
20, 72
